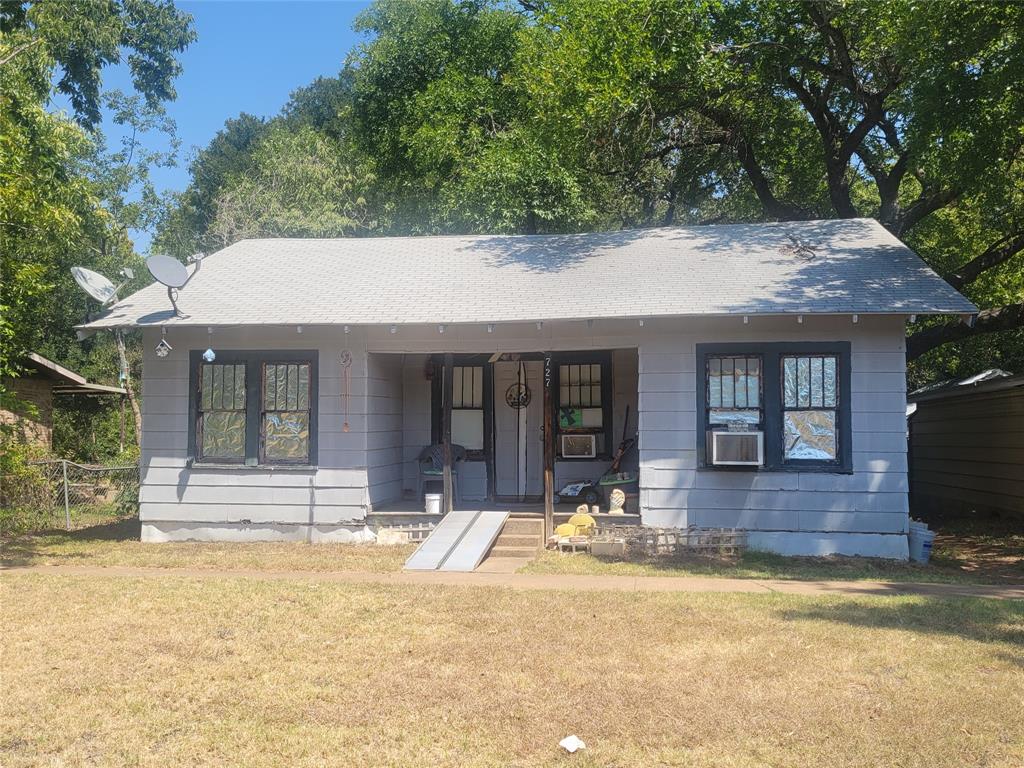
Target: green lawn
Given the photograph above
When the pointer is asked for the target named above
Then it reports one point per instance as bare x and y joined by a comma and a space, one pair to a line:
170, 671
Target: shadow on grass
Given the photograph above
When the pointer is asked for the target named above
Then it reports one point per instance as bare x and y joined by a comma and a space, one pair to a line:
25, 550
986, 621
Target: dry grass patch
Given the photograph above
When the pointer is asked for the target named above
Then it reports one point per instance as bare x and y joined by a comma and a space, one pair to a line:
968, 551
174, 671
757, 565
118, 545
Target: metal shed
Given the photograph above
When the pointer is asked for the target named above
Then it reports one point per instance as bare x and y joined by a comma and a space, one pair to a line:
967, 446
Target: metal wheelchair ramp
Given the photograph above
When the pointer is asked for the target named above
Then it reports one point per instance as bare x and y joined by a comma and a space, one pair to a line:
459, 542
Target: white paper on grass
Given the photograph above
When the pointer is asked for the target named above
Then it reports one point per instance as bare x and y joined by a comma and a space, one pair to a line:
572, 743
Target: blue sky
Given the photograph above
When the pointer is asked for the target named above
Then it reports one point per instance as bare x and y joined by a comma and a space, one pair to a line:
249, 56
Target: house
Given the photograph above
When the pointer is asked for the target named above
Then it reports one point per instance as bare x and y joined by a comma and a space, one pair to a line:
333, 364
967, 446
40, 381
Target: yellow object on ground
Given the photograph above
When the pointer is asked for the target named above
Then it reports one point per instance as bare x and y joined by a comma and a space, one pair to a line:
565, 529
584, 524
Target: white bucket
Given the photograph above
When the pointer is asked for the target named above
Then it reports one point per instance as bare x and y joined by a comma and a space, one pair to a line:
920, 541
433, 506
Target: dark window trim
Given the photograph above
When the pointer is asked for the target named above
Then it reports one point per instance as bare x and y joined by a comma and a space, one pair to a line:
436, 397
253, 361
604, 359
771, 355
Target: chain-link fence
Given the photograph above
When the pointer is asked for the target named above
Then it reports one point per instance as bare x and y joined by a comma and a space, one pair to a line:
61, 493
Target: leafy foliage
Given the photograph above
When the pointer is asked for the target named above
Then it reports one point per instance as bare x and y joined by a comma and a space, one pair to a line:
64, 197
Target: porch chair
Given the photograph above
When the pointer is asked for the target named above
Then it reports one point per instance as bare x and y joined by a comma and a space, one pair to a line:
431, 467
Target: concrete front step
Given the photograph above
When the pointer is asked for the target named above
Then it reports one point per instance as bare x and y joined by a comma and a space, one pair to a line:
515, 540
521, 527
522, 552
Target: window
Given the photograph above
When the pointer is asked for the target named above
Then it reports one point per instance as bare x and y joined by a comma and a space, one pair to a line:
809, 397
472, 387
734, 391
797, 394
221, 427
468, 406
579, 396
285, 418
584, 399
254, 408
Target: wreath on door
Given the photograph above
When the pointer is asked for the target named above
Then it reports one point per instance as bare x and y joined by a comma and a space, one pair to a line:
518, 395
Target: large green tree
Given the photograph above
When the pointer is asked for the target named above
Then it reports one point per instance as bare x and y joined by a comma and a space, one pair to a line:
909, 112
564, 115
65, 196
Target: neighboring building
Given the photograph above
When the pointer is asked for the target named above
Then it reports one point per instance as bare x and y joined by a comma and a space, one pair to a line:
330, 358
967, 446
40, 381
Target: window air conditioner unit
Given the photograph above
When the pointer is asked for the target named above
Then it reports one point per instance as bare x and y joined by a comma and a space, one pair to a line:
579, 446
737, 448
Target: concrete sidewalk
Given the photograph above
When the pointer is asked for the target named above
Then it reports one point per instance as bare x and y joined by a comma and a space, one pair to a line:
550, 581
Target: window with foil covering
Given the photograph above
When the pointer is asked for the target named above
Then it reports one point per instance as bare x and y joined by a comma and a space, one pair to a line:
284, 421
254, 408
734, 391
810, 395
795, 393
222, 412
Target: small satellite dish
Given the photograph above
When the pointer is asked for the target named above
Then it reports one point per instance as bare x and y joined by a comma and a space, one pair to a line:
94, 284
172, 273
167, 270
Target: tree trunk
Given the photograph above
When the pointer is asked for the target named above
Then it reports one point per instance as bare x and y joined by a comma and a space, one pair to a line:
136, 414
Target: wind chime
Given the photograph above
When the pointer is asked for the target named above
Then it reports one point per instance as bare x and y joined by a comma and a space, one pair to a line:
346, 387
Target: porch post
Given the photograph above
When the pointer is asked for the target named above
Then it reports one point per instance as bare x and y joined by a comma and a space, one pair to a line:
549, 450
446, 430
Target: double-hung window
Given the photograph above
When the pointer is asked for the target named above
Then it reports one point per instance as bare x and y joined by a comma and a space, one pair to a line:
584, 393
797, 394
810, 407
254, 408
220, 428
471, 402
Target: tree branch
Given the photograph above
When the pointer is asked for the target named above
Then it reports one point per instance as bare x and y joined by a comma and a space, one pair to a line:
775, 208
20, 49
992, 320
923, 206
997, 253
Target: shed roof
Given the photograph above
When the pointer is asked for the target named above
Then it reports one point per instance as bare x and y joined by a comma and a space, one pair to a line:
66, 381
990, 380
827, 267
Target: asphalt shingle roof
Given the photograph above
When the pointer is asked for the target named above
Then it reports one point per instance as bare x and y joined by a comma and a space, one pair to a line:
853, 266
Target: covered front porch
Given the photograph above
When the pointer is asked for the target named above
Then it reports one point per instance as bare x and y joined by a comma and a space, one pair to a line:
499, 431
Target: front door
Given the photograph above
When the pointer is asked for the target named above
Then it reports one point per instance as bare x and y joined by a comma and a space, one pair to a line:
518, 429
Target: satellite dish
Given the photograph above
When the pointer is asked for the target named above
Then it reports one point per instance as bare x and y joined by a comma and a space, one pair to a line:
95, 284
167, 270
172, 273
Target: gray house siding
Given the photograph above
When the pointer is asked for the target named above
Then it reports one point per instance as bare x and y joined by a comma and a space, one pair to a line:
182, 502
793, 512
796, 512
384, 429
